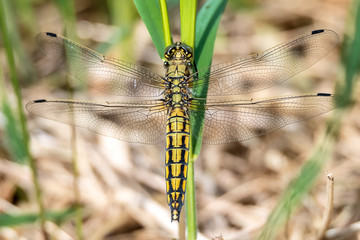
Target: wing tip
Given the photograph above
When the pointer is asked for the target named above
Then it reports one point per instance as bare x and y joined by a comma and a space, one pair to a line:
50, 34
39, 101
317, 31
324, 94
327, 31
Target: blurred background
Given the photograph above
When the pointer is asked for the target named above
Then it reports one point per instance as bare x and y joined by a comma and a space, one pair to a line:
122, 187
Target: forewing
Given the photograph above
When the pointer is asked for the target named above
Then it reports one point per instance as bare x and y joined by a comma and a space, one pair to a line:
238, 120
94, 69
132, 121
269, 68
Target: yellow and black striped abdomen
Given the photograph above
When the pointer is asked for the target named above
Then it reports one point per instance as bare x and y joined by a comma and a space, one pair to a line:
176, 162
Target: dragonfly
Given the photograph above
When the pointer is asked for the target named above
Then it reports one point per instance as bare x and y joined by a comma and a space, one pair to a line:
160, 107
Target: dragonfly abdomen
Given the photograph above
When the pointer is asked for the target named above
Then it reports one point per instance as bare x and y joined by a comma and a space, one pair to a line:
176, 160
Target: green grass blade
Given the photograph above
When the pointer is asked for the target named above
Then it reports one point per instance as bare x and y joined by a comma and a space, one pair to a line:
13, 134
13, 74
301, 186
9, 220
21, 115
13, 137
165, 22
187, 18
150, 13
351, 46
207, 23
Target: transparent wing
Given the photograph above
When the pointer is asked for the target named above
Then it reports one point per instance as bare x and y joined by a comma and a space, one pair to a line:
238, 120
269, 68
105, 74
132, 121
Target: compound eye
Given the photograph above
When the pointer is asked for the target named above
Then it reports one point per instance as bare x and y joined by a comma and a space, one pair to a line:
166, 64
189, 64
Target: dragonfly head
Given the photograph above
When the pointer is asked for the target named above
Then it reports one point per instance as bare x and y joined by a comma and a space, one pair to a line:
178, 51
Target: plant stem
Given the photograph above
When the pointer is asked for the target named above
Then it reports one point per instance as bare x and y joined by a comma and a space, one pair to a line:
16, 86
188, 22
190, 201
329, 206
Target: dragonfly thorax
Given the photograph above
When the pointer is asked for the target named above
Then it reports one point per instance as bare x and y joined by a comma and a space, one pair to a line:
177, 93
178, 70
